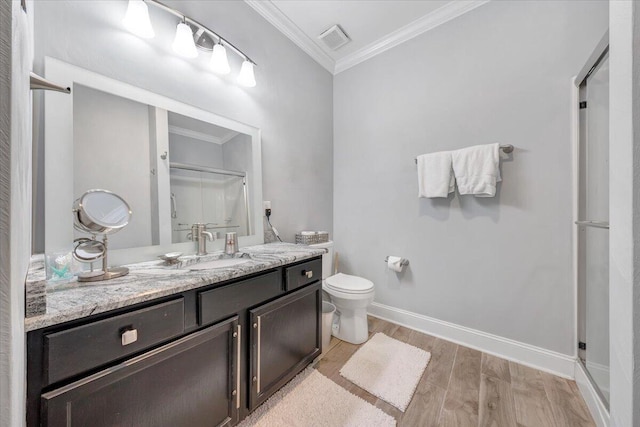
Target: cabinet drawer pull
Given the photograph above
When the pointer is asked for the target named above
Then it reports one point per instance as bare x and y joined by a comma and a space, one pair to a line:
238, 363
308, 273
258, 358
129, 336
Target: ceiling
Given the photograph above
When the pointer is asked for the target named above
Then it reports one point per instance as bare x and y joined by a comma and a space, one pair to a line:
373, 25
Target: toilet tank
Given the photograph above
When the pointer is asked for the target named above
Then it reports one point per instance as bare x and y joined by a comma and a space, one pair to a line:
327, 258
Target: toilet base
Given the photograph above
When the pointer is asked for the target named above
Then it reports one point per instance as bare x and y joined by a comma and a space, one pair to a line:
352, 325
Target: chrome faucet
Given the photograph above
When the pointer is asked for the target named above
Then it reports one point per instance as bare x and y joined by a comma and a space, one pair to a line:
200, 234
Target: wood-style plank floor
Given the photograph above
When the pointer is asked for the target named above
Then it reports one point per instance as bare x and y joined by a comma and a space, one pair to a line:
465, 387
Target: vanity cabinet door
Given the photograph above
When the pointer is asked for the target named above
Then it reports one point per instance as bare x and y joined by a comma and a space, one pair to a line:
285, 337
190, 382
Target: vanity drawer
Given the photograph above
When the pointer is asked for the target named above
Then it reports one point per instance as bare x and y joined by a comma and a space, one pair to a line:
303, 274
219, 303
85, 347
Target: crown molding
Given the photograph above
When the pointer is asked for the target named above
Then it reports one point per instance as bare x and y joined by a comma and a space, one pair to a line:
176, 130
271, 13
409, 31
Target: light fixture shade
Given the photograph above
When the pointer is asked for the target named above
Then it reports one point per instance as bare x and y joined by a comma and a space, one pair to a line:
137, 19
246, 77
219, 61
184, 44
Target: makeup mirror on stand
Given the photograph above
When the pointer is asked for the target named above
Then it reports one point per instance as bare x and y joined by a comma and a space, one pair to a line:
98, 212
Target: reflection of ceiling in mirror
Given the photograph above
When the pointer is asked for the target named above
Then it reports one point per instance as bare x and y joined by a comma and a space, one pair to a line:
194, 128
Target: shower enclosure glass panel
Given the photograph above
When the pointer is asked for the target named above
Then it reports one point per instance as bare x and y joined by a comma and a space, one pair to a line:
217, 200
593, 226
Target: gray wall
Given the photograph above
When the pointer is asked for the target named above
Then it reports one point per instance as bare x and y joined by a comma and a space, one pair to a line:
183, 149
291, 104
624, 193
111, 130
500, 73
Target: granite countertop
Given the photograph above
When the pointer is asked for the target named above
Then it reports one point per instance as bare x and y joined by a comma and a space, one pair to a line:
153, 279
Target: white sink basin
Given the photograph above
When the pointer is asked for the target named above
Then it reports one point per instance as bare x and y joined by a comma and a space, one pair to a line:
219, 263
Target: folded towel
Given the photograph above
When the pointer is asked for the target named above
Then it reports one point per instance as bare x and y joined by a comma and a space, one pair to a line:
477, 169
435, 178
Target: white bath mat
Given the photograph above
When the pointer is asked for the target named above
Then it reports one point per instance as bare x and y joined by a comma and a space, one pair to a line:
313, 400
387, 368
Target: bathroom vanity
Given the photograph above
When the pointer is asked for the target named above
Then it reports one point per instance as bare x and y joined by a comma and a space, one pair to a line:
184, 348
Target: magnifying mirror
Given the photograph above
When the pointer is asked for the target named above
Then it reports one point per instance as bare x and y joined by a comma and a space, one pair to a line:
101, 211
88, 250
98, 212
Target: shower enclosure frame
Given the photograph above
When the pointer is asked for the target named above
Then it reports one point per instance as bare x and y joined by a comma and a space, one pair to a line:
594, 396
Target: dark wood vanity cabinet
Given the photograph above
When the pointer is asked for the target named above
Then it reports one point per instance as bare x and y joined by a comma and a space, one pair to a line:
204, 357
285, 336
189, 382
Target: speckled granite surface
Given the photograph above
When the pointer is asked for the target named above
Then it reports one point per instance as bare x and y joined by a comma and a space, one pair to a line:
152, 279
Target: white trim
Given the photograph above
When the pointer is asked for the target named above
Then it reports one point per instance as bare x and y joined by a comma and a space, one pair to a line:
600, 374
421, 25
282, 22
228, 137
539, 358
598, 411
271, 13
201, 136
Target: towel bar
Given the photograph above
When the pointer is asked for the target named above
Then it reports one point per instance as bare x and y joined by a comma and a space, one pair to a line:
506, 148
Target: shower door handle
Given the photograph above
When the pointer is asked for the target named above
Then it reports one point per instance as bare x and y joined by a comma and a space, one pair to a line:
596, 224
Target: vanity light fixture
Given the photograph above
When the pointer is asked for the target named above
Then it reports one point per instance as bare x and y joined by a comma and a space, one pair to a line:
183, 44
190, 35
246, 77
219, 61
137, 19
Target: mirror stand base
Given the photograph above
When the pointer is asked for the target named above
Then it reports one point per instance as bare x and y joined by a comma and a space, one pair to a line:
111, 273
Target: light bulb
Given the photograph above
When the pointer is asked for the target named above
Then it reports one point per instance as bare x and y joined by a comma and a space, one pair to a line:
184, 44
246, 77
219, 62
137, 19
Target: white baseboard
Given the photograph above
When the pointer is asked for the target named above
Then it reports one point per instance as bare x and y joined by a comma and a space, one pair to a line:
598, 411
539, 358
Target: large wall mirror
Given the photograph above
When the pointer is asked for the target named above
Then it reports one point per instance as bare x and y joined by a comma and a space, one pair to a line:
174, 164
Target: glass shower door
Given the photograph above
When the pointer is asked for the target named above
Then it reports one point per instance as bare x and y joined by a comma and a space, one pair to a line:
593, 226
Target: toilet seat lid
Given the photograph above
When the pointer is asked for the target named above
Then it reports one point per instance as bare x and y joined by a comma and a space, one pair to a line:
350, 284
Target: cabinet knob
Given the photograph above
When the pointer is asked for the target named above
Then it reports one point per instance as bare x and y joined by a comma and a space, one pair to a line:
254, 379
308, 273
234, 392
129, 336
255, 325
235, 335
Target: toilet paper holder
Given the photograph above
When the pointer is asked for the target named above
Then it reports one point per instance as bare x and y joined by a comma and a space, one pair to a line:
404, 262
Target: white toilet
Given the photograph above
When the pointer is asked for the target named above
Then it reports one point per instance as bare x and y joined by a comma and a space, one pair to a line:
351, 295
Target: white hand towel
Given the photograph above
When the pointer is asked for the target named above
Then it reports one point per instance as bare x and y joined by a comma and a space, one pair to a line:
435, 177
477, 169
